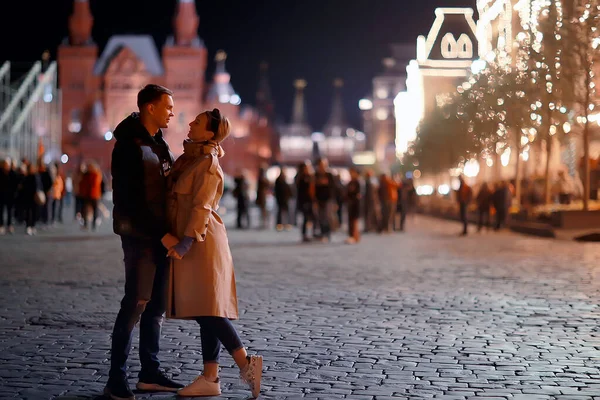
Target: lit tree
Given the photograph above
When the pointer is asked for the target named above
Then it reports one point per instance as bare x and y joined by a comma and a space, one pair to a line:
582, 41
434, 151
542, 45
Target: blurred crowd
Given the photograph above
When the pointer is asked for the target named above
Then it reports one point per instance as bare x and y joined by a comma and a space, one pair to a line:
35, 195
320, 201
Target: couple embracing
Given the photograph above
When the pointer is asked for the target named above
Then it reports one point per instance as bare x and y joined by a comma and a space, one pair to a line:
176, 252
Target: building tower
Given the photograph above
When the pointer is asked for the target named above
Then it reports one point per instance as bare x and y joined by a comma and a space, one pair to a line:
266, 109
184, 59
76, 58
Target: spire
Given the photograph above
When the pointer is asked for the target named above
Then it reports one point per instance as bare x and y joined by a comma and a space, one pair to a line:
185, 23
220, 59
221, 89
299, 111
264, 99
80, 23
221, 74
337, 118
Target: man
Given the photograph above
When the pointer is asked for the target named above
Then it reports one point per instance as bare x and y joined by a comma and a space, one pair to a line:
283, 195
141, 161
464, 196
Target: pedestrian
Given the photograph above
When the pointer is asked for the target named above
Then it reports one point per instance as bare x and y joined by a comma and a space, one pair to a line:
371, 204
501, 200
8, 193
202, 279
484, 204
55, 195
339, 196
324, 195
47, 182
91, 192
403, 189
283, 195
388, 196
76, 184
353, 195
141, 162
464, 195
240, 192
305, 198
33, 197
262, 191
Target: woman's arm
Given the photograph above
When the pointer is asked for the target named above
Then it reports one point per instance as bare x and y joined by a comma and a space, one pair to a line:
204, 189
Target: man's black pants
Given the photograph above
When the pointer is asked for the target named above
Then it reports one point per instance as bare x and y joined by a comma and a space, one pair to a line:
146, 269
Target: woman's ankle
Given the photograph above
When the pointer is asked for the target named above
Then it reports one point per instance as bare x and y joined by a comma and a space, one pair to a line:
211, 377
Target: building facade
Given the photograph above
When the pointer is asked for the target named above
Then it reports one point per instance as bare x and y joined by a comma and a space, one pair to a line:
100, 89
336, 141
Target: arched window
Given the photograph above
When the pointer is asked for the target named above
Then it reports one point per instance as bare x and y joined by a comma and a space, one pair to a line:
449, 46
465, 46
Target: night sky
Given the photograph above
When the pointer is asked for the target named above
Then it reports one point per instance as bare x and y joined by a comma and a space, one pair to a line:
317, 40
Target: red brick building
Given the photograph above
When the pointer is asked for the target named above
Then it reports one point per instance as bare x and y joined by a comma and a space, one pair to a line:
100, 89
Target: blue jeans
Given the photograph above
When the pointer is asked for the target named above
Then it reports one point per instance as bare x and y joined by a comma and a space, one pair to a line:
146, 273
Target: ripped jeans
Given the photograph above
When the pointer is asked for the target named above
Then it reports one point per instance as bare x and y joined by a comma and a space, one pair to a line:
146, 269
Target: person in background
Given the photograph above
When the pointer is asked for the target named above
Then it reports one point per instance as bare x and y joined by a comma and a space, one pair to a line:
340, 196
262, 191
240, 192
401, 204
283, 195
464, 195
388, 196
47, 182
501, 200
55, 194
8, 194
91, 192
305, 198
353, 195
79, 173
484, 205
324, 195
371, 204
33, 198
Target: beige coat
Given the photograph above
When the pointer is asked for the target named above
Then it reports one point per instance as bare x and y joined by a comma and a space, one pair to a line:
203, 282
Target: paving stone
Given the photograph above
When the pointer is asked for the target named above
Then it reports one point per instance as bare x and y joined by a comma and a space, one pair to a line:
425, 314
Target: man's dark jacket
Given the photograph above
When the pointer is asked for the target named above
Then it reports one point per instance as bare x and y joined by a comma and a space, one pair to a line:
140, 165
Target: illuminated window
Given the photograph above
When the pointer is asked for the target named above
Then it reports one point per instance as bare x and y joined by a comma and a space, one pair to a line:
381, 114
382, 93
465, 47
75, 124
449, 46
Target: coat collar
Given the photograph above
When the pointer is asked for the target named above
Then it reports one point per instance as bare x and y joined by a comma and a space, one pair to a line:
200, 149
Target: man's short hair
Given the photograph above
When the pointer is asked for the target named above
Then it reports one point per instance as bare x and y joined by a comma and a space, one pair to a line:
151, 93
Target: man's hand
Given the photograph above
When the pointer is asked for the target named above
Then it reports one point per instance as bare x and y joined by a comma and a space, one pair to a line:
168, 241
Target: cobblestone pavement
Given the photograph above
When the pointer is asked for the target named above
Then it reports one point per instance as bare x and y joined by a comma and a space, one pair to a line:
424, 314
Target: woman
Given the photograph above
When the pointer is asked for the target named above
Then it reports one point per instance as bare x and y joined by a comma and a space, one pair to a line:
202, 280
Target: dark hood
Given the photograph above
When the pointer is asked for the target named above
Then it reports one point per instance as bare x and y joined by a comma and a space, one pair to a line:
131, 128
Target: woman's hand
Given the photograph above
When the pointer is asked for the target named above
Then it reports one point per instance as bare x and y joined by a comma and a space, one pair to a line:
180, 249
